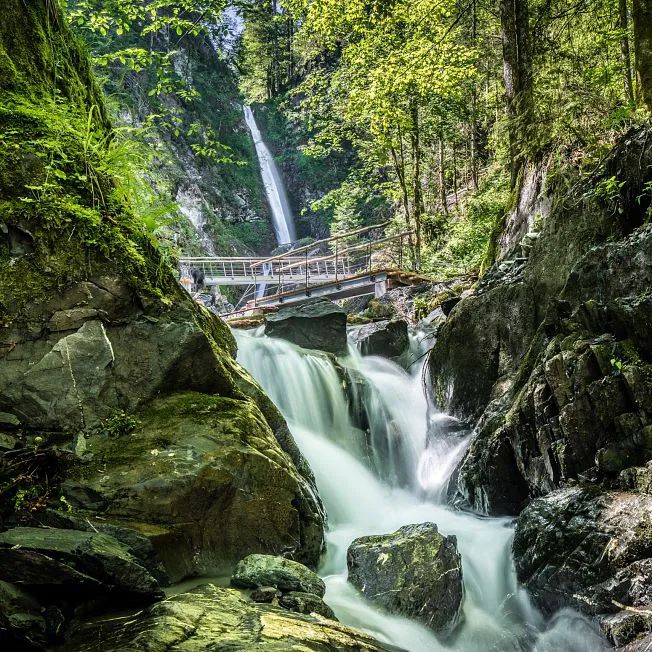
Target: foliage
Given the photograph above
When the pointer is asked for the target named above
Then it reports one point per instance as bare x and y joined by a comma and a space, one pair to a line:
414, 92
120, 424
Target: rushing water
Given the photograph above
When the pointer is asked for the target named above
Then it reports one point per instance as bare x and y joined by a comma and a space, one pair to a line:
274, 189
395, 476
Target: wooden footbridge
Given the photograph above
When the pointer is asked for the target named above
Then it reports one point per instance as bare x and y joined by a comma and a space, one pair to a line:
366, 266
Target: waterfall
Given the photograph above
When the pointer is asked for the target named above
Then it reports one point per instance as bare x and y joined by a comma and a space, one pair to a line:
274, 189
394, 472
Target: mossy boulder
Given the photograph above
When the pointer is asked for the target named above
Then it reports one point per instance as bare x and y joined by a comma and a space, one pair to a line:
206, 480
212, 618
286, 575
73, 562
22, 625
415, 572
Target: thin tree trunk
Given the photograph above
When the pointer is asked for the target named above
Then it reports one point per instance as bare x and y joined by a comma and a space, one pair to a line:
642, 19
514, 17
442, 178
625, 50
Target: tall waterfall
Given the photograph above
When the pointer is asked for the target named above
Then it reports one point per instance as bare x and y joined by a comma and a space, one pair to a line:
278, 201
401, 482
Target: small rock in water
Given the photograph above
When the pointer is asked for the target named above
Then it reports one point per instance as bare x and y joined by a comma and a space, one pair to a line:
266, 570
414, 572
318, 324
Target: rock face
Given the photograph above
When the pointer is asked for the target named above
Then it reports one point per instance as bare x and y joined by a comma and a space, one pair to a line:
73, 561
211, 618
550, 356
319, 324
386, 338
588, 549
286, 575
414, 572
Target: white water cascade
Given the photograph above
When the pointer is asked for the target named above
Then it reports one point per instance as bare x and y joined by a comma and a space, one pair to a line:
402, 481
278, 202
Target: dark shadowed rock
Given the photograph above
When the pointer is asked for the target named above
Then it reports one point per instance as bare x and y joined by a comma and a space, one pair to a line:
22, 625
386, 338
286, 575
305, 603
414, 572
70, 559
210, 618
319, 324
626, 627
586, 549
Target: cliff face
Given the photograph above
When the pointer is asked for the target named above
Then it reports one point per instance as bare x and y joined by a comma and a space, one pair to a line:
107, 368
550, 359
550, 355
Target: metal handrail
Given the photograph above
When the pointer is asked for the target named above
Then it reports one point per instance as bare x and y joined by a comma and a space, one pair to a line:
317, 243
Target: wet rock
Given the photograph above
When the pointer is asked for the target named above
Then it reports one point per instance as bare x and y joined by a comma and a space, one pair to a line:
319, 324
415, 572
628, 626
265, 594
205, 479
72, 560
385, 338
286, 575
586, 549
305, 603
639, 645
212, 618
21, 624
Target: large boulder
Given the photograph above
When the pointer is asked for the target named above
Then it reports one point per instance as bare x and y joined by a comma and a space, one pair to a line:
212, 618
73, 561
385, 338
286, 575
319, 324
415, 572
586, 549
205, 479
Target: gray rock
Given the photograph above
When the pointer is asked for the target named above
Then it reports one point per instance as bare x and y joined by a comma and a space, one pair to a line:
41, 557
319, 324
414, 572
265, 594
640, 645
586, 549
385, 338
305, 603
286, 575
211, 618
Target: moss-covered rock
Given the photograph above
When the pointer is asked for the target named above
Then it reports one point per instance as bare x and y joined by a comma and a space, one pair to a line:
415, 572
206, 480
286, 575
212, 618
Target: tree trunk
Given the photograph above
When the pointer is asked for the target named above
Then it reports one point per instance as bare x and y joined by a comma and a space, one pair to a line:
517, 72
417, 190
625, 50
442, 178
642, 18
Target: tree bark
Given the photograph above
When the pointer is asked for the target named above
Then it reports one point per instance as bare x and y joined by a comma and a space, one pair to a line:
642, 18
625, 50
517, 73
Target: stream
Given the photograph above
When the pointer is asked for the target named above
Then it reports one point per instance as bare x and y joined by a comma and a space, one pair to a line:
401, 479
